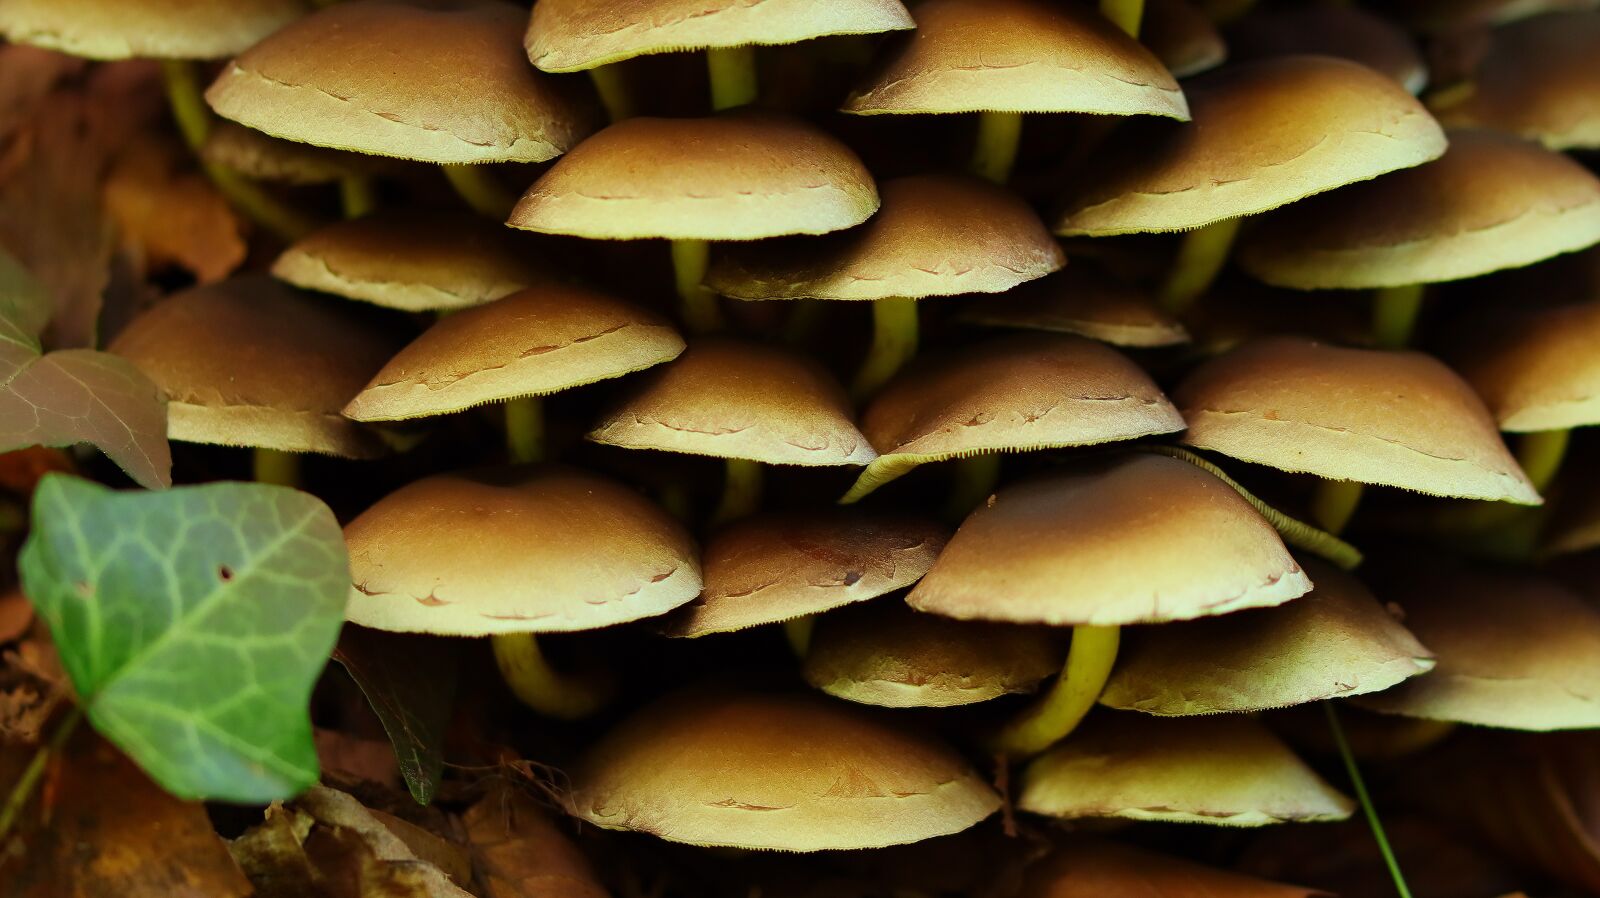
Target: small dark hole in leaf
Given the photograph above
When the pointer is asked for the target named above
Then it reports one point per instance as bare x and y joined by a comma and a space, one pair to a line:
225, 572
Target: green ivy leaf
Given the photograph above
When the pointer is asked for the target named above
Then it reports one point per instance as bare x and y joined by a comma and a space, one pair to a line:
193, 623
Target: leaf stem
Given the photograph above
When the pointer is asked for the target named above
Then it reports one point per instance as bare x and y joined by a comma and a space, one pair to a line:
23, 790
1365, 799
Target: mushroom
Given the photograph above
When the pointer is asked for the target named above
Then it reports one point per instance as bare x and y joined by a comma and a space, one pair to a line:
1183, 37
1003, 58
1537, 80
738, 176
1347, 32
1084, 301
252, 362
775, 772
259, 157
1102, 869
515, 552
936, 235
1265, 133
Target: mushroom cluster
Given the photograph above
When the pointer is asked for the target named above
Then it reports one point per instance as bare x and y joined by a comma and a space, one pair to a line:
848, 424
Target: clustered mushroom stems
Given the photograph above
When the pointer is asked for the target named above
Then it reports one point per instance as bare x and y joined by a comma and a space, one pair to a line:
541, 687
894, 342
1202, 253
525, 437
275, 466
476, 184
612, 88
741, 490
1394, 315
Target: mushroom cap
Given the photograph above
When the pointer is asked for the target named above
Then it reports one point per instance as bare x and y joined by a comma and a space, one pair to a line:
538, 341
736, 399
1079, 300
784, 772
1538, 79
1182, 36
149, 29
1332, 642
253, 362
883, 653
1017, 393
936, 235
1142, 539
1398, 419
1226, 770
260, 157
777, 567
1540, 371
1515, 650
1017, 56
526, 549
572, 35
416, 262
1104, 869
1265, 133
742, 175
1347, 32
1492, 201
335, 79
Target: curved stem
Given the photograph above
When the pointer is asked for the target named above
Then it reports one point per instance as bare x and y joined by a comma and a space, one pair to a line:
1540, 454
477, 186
999, 133
524, 668
1394, 315
1125, 14
894, 342
697, 303
974, 480
1334, 503
17, 800
1201, 256
1047, 721
741, 491
525, 429
187, 102
798, 632
276, 466
357, 195
613, 90
1365, 799
733, 76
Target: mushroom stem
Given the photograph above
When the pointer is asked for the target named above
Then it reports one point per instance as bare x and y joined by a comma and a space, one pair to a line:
973, 482
525, 429
996, 149
1201, 256
188, 104
1540, 454
542, 688
699, 307
798, 632
1362, 796
1394, 315
357, 195
476, 185
741, 490
1334, 503
1051, 718
894, 342
733, 76
1125, 14
277, 467
613, 91
805, 320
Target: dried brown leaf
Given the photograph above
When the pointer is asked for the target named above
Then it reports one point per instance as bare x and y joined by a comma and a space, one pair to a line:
520, 852
169, 214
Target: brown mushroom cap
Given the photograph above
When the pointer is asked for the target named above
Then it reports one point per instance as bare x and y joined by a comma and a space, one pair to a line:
1539, 80
1018, 393
252, 362
1143, 539
791, 773
1017, 56
336, 79
255, 155
1492, 201
1397, 419
1079, 300
531, 549
1334, 641
531, 343
937, 235
883, 653
417, 262
1103, 869
1541, 372
571, 35
1182, 36
1226, 770
743, 175
1515, 651
735, 399
148, 29
772, 568
1265, 133
1348, 32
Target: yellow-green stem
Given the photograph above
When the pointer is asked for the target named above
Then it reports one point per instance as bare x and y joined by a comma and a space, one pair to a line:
1540, 454
733, 76
357, 195
1334, 503
1125, 14
1201, 256
894, 342
1365, 799
1058, 712
277, 467
1394, 315
17, 799
741, 491
973, 481
613, 90
996, 150
188, 104
476, 185
542, 688
525, 429
798, 632
698, 303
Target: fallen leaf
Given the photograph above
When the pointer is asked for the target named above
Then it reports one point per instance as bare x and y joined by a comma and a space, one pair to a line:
16, 616
410, 681
272, 855
348, 757
520, 853
21, 469
32, 686
169, 214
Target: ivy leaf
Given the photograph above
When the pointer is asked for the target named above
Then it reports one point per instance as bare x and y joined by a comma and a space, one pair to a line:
410, 681
193, 623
